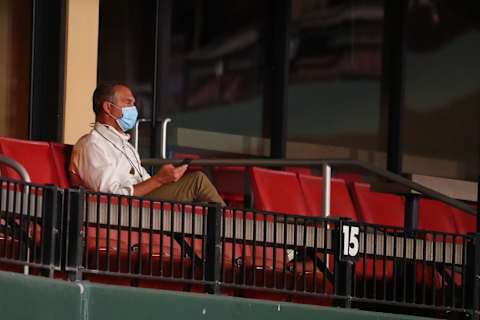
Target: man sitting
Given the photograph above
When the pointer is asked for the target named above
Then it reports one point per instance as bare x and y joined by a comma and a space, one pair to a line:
105, 161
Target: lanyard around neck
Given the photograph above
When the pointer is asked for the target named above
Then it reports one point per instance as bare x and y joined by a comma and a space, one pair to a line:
124, 153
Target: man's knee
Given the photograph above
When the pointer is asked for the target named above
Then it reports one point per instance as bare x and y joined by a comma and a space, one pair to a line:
197, 175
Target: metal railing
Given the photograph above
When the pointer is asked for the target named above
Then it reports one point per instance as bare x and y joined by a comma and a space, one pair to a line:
163, 139
30, 226
326, 165
16, 166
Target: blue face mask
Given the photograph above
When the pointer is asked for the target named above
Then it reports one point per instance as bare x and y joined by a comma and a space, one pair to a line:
128, 119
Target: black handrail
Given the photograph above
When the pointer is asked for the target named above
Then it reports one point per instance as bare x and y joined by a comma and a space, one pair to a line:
318, 163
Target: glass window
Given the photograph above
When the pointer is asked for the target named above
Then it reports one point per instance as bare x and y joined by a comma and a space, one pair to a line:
215, 77
126, 51
15, 57
335, 79
441, 128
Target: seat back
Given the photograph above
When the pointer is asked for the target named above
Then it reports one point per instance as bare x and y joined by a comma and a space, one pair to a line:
378, 208
277, 191
434, 215
299, 170
464, 222
34, 156
341, 204
61, 156
349, 177
230, 183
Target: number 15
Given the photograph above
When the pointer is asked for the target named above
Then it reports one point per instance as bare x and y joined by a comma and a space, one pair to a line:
350, 240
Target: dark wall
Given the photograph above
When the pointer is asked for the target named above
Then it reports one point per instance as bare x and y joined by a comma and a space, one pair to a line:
47, 71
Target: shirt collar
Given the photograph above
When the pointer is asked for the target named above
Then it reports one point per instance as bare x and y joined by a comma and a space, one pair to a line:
111, 132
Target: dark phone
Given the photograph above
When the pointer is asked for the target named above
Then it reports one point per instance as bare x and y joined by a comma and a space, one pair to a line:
185, 161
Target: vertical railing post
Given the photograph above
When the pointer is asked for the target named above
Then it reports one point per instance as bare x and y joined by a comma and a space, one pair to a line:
74, 229
49, 227
213, 247
327, 176
411, 211
59, 226
344, 263
326, 195
473, 274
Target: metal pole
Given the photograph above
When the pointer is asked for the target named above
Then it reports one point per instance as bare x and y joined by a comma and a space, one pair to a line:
163, 145
134, 133
163, 20
275, 95
395, 48
327, 176
15, 165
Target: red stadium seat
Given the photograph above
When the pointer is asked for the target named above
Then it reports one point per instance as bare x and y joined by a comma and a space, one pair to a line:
36, 157
280, 191
464, 222
378, 208
384, 209
61, 156
230, 183
340, 204
349, 177
166, 261
436, 216
9, 250
299, 170
46, 163
277, 191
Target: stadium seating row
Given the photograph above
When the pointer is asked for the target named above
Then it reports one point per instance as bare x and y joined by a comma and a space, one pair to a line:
295, 193
287, 192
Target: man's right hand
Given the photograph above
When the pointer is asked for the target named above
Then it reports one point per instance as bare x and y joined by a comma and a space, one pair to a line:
168, 173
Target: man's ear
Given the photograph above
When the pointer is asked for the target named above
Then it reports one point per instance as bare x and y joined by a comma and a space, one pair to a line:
106, 106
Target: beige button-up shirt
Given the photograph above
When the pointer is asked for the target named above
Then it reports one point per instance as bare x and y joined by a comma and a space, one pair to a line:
105, 161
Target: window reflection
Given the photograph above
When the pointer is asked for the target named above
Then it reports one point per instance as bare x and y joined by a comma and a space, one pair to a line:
334, 80
442, 115
216, 75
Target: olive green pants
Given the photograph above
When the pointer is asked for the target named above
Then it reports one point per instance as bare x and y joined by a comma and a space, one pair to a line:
192, 187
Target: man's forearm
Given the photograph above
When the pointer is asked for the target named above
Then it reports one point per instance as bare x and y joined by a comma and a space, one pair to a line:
145, 187
167, 174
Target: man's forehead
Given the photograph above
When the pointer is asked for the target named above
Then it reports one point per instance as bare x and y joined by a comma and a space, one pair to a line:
123, 92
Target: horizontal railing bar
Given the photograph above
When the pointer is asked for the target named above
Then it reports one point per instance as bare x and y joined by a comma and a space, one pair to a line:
289, 239
318, 163
249, 236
